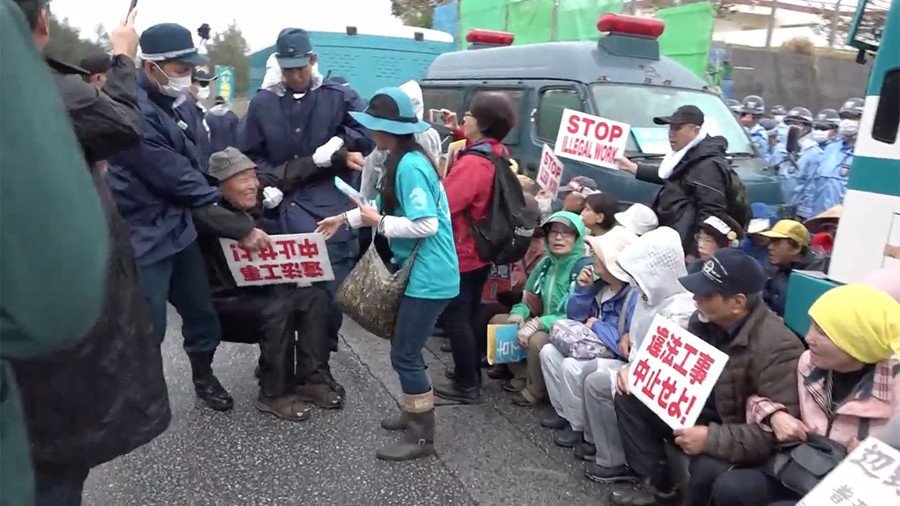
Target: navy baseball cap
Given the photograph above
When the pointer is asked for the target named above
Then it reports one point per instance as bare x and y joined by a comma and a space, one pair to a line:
729, 272
168, 42
293, 48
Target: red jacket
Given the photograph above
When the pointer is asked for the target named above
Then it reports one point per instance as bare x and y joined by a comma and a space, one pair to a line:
470, 185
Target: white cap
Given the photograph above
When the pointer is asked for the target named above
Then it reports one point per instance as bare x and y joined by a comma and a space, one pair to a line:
638, 218
611, 245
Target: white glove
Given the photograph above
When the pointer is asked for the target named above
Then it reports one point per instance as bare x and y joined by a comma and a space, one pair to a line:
272, 197
322, 156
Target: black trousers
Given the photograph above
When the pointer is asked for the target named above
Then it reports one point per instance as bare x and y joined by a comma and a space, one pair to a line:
291, 325
751, 487
462, 319
644, 437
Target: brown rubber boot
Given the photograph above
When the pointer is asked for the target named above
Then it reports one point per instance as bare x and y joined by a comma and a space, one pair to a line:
417, 440
396, 422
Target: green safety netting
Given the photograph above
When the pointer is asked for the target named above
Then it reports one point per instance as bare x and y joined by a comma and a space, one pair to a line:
686, 38
577, 19
532, 20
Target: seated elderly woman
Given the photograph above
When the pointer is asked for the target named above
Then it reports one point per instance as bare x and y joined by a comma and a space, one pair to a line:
848, 384
544, 300
598, 315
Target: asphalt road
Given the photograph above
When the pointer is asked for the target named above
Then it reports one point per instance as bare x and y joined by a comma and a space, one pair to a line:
493, 453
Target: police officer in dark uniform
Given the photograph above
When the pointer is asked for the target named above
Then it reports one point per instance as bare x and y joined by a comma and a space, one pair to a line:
306, 115
194, 113
156, 186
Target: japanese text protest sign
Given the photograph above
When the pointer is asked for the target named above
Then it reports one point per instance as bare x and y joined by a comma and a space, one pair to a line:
297, 258
674, 372
591, 139
869, 476
502, 347
550, 171
499, 280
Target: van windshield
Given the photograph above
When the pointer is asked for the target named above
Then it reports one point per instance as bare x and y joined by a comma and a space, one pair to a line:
638, 105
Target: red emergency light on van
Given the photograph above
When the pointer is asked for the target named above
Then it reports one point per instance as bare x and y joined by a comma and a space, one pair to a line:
631, 25
490, 37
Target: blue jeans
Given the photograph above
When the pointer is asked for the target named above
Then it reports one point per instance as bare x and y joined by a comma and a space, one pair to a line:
343, 258
415, 324
181, 279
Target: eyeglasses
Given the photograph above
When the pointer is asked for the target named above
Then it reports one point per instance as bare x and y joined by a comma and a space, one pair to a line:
468, 114
561, 232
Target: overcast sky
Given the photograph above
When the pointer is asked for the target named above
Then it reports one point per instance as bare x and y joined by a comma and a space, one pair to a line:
260, 20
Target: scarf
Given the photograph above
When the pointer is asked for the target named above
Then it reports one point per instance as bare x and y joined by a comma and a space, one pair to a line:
861, 320
673, 158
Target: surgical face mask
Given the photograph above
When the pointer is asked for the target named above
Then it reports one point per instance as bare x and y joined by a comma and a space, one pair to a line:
848, 127
176, 86
544, 204
203, 93
820, 136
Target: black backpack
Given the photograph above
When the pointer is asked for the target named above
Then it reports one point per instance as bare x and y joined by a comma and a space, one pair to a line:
736, 195
504, 236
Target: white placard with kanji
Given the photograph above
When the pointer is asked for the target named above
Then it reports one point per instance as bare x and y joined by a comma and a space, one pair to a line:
674, 372
869, 476
591, 139
550, 171
300, 259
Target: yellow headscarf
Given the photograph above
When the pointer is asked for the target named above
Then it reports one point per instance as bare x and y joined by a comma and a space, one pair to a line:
861, 320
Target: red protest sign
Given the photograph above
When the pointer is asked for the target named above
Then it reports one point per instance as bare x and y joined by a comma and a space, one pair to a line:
591, 139
550, 171
674, 372
296, 258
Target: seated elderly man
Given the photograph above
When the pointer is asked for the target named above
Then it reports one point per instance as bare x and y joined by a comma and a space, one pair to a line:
762, 360
293, 370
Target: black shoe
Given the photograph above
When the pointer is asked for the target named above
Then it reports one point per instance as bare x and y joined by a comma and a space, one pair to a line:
601, 474
206, 385
453, 392
585, 451
499, 372
213, 393
568, 437
553, 421
643, 495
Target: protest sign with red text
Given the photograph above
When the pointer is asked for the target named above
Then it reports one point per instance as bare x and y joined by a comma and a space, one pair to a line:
591, 139
674, 372
550, 171
300, 259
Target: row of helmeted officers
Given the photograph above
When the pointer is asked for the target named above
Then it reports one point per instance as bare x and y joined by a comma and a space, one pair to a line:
814, 170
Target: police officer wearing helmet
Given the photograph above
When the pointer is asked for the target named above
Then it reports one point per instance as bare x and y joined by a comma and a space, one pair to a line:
797, 169
194, 113
778, 113
752, 110
734, 106
825, 127
156, 186
830, 181
305, 115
